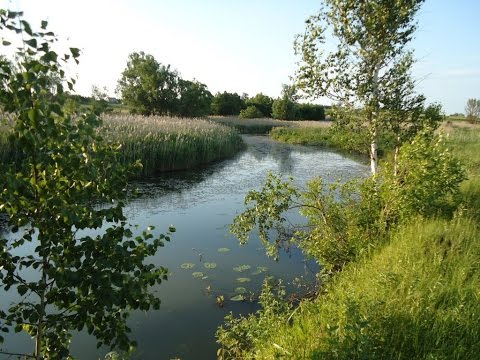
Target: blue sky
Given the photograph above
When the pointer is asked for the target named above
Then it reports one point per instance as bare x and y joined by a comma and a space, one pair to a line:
246, 46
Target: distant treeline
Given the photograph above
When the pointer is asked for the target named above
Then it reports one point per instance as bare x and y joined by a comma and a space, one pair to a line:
148, 87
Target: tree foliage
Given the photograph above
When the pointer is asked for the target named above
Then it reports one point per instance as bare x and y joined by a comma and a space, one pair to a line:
226, 104
262, 102
150, 88
195, 99
472, 110
73, 260
369, 59
345, 220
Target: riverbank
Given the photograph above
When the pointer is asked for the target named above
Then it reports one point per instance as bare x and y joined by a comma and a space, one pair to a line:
160, 143
413, 297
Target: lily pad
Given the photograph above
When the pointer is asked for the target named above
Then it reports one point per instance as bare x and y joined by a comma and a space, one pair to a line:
210, 265
223, 250
204, 277
243, 279
187, 266
242, 268
197, 274
240, 290
238, 297
260, 270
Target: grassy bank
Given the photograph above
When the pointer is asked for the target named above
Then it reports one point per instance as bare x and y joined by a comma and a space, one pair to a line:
330, 137
416, 296
264, 125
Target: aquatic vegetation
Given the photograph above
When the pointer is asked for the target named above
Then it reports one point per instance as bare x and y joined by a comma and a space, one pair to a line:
223, 250
238, 297
187, 266
240, 290
243, 279
260, 270
242, 268
164, 143
197, 274
210, 265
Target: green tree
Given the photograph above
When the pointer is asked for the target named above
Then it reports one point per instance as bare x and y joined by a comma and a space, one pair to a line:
72, 259
370, 50
285, 107
472, 110
262, 102
148, 87
195, 99
251, 112
227, 104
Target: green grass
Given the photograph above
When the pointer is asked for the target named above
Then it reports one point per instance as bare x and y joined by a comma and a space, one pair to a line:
166, 143
417, 296
263, 125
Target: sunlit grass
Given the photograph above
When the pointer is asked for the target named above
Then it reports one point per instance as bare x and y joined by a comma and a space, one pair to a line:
166, 143
160, 143
264, 125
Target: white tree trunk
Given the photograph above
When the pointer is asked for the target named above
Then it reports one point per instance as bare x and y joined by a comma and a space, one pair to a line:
374, 150
374, 124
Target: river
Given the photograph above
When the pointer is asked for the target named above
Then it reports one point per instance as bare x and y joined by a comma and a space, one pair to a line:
201, 204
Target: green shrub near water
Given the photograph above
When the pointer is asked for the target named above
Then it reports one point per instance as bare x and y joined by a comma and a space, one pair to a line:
355, 142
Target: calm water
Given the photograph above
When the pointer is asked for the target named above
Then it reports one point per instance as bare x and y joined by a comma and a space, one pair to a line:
201, 204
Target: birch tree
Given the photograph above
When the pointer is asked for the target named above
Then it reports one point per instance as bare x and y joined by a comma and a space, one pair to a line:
367, 57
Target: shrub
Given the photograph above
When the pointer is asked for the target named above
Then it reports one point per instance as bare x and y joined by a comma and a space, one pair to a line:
310, 112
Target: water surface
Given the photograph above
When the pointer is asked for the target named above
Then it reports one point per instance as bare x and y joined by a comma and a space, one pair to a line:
201, 204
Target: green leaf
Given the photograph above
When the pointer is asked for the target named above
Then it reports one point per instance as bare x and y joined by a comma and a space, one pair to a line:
210, 265
22, 289
75, 52
26, 27
243, 279
223, 250
44, 24
32, 43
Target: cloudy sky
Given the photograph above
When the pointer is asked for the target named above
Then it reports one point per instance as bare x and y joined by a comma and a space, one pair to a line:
245, 46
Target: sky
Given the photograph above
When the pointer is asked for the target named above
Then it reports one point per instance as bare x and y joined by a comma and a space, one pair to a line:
245, 46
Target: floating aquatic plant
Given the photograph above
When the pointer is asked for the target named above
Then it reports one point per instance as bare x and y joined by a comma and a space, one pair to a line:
187, 266
223, 250
240, 290
210, 265
260, 270
197, 274
243, 279
242, 268
238, 297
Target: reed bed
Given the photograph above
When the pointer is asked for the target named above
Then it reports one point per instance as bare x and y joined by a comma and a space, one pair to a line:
165, 143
